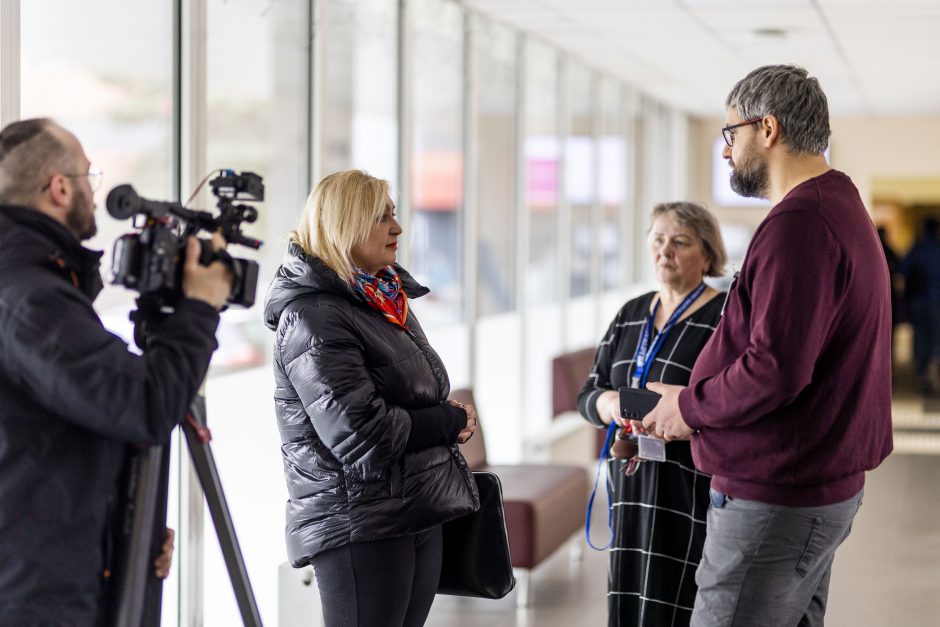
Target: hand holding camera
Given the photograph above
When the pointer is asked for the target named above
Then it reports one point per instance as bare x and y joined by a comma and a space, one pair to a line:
211, 284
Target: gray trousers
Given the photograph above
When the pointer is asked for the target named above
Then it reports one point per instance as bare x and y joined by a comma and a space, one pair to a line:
768, 564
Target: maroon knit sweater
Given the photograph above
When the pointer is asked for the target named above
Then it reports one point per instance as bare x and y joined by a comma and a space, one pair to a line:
792, 394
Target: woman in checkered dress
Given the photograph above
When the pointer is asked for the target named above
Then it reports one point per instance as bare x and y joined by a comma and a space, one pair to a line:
659, 512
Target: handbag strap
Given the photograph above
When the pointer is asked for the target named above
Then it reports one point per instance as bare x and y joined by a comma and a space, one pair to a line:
587, 520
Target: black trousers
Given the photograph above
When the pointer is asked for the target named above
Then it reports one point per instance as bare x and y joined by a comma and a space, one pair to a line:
386, 583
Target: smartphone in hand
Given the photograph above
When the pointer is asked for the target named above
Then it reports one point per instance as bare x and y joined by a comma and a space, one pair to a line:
636, 403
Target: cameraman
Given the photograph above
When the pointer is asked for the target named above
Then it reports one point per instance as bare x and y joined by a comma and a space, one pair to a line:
71, 395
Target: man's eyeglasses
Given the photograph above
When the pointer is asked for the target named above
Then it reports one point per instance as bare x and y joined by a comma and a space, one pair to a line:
728, 131
95, 175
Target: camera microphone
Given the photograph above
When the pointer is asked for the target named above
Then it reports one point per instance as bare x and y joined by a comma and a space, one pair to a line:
124, 202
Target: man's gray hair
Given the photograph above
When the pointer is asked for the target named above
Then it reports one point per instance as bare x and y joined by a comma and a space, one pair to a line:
793, 97
30, 153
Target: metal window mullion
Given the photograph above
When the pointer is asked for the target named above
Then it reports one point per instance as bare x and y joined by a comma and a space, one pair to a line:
596, 215
314, 57
563, 224
9, 61
681, 155
664, 142
639, 190
177, 440
522, 222
626, 208
191, 138
664, 122
646, 182
404, 98
471, 209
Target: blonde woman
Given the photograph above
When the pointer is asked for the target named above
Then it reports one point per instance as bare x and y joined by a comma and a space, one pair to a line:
368, 436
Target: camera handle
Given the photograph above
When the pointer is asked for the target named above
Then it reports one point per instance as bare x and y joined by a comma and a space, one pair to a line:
135, 594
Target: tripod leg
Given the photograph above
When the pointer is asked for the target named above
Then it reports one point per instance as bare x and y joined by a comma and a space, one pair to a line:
135, 591
201, 453
153, 599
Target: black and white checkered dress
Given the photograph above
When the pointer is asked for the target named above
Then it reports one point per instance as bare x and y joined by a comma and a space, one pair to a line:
658, 513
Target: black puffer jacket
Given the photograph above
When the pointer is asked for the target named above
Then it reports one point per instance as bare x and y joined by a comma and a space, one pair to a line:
351, 387
71, 398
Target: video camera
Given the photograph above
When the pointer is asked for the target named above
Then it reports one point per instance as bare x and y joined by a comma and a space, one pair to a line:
151, 260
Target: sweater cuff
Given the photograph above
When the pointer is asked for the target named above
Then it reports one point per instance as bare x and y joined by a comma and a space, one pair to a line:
435, 426
689, 416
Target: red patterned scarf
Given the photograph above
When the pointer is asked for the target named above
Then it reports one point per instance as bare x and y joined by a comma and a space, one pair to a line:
383, 292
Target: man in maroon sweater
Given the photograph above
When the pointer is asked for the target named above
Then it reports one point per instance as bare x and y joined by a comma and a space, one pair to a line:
790, 402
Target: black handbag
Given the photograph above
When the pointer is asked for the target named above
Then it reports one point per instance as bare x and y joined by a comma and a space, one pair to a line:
476, 547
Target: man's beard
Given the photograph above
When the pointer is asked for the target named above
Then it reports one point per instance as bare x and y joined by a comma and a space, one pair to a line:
749, 177
81, 219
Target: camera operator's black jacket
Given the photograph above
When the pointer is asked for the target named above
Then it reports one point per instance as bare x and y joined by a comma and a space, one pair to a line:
71, 398
353, 394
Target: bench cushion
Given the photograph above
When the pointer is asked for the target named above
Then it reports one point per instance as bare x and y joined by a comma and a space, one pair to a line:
545, 505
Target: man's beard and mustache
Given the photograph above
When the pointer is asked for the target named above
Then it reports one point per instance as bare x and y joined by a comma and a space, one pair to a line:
749, 177
81, 218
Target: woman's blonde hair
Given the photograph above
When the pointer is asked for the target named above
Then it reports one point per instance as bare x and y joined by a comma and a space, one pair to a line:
704, 224
339, 214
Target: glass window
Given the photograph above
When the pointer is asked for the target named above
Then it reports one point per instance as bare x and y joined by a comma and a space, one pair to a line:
119, 104
542, 153
437, 144
357, 62
256, 109
256, 94
580, 179
612, 171
496, 145
543, 329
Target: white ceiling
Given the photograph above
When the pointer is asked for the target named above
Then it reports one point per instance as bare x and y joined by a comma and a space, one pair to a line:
872, 57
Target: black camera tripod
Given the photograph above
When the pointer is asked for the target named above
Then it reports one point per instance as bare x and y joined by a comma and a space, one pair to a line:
135, 592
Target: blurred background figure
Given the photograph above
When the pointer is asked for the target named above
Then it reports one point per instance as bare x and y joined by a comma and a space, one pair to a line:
894, 271
921, 270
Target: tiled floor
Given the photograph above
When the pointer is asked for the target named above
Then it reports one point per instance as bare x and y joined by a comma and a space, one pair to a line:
888, 571
887, 574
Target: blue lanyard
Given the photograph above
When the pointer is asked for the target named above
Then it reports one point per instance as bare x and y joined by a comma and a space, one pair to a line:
644, 355
610, 501
647, 347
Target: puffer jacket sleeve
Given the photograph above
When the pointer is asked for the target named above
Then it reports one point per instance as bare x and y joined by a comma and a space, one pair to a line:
324, 358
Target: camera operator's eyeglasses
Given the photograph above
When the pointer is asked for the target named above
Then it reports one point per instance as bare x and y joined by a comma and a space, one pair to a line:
95, 175
728, 131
